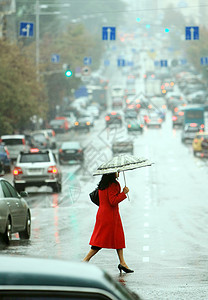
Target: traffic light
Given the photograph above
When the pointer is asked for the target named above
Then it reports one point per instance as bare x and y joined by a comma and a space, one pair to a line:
68, 72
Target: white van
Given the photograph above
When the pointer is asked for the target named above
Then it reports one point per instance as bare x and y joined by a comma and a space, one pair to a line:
15, 143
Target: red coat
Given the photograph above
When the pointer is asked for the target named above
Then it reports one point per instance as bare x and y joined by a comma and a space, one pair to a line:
108, 231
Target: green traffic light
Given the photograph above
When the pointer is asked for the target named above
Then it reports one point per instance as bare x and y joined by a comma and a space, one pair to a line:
68, 73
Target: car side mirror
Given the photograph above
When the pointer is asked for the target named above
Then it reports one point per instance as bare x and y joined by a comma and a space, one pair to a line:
24, 194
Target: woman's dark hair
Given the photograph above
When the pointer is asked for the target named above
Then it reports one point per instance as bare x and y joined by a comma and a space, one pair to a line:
106, 180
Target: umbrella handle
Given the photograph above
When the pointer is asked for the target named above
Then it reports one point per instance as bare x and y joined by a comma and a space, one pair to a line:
125, 184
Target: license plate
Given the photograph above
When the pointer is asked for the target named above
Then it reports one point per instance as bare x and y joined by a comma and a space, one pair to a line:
70, 151
35, 170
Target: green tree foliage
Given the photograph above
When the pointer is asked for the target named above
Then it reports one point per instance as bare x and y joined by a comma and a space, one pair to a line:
21, 95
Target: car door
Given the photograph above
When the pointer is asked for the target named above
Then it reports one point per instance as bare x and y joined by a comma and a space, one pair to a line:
14, 205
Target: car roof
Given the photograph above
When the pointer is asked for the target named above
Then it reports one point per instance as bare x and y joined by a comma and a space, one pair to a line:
28, 271
70, 144
13, 136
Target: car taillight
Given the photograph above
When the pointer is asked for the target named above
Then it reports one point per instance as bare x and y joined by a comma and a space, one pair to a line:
23, 141
129, 125
88, 123
138, 105
53, 170
181, 113
107, 118
113, 113
202, 126
176, 109
80, 150
17, 171
60, 150
202, 154
141, 125
195, 141
159, 120
174, 118
76, 123
150, 106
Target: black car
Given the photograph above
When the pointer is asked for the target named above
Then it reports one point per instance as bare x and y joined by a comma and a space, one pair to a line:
83, 123
70, 151
38, 278
113, 118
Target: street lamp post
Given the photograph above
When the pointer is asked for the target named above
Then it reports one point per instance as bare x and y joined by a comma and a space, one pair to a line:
37, 39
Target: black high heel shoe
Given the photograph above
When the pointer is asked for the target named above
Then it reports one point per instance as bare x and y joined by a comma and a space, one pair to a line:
122, 268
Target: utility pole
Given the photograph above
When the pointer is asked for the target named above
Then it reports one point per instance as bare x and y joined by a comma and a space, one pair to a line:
37, 39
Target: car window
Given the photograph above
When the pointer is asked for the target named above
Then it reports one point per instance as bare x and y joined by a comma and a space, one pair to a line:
5, 189
11, 189
39, 137
13, 142
35, 157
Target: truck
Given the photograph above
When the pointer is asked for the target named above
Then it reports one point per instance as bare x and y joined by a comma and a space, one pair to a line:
99, 95
153, 87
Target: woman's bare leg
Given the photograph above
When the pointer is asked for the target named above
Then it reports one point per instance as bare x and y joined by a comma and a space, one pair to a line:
121, 258
90, 254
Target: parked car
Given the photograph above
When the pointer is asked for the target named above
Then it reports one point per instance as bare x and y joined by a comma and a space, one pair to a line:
37, 168
41, 278
70, 151
43, 139
123, 146
14, 143
5, 158
178, 118
15, 213
189, 131
113, 118
200, 144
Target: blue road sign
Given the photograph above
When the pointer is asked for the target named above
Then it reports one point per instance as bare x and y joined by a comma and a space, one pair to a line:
87, 60
204, 60
26, 29
130, 63
183, 61
106, 62
163, 63
121, 62
109, 33
192, 33
55, 58
156, 63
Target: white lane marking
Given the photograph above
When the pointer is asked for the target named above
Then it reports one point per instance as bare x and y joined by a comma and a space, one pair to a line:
146, 215
145, 248
145, 259
146, 224
146, 236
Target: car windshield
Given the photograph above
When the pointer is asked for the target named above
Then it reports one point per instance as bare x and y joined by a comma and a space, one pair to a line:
34, 158
94, 73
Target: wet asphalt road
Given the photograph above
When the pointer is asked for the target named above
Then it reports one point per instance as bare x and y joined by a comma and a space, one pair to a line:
165, 221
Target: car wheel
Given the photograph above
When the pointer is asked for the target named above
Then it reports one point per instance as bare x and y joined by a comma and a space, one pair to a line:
26, 233
7, 236
19, 187
195, 153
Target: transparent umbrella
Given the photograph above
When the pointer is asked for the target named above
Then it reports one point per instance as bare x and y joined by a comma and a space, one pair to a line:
121, 163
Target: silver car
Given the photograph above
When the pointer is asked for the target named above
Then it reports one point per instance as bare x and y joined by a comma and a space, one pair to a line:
14, 213
37, 168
